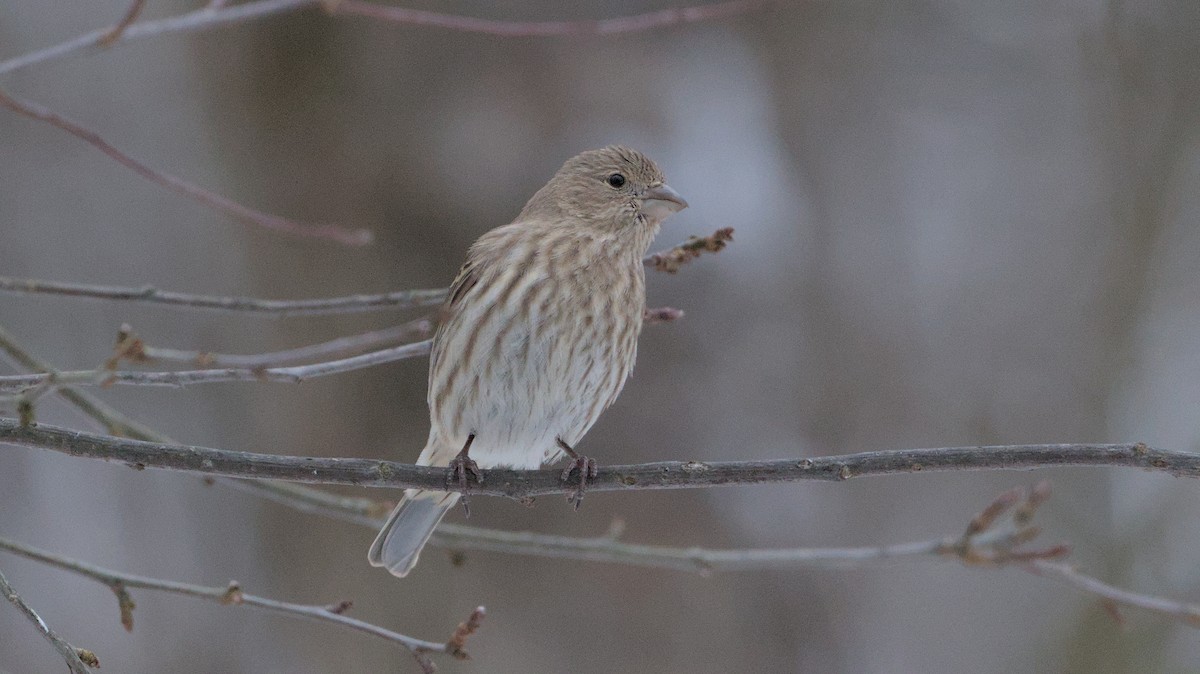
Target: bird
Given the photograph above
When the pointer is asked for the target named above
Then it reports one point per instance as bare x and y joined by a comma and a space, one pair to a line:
536, 337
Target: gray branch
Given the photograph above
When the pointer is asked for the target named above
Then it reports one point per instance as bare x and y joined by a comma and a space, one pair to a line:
120, 583
522, 484
68, 652
292, 374
403, 299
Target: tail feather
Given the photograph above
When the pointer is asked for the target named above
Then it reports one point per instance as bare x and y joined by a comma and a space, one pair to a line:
410, 525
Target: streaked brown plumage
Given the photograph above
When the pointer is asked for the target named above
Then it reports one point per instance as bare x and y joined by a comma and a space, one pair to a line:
539, 332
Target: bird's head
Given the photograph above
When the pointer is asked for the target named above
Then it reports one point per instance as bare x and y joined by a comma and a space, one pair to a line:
612, 188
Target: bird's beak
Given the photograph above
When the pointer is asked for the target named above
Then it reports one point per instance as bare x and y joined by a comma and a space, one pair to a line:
661, 201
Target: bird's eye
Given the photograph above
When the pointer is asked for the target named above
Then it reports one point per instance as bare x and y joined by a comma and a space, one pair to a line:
616, 181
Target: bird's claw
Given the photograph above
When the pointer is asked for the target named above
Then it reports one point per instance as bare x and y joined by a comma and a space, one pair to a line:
588, 470
460, 466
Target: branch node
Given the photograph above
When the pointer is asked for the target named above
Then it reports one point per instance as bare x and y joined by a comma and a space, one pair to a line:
341, 607
233, 594
88, 657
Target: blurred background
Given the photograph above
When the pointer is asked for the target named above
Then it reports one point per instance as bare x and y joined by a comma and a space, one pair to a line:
957, 223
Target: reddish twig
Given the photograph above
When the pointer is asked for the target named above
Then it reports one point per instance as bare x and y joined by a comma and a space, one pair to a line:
330, 232
503, 28
216, 13
131, 15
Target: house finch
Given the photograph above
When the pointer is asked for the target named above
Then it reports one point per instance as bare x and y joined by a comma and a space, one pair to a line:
537, 335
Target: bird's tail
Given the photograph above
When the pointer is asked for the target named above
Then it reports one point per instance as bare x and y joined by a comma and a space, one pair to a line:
399, 544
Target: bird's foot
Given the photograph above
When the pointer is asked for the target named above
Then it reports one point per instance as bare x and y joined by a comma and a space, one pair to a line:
587, 472
460, 466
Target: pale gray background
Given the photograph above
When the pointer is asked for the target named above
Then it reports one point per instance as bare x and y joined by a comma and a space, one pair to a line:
957, 223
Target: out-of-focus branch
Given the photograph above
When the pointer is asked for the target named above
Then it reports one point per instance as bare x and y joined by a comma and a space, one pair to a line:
1067, 573
672, 259
192, 21
502, 28
132, 348
289, 375
330, 232
75, 657
217, 14
401, 299
522, 484
120, 583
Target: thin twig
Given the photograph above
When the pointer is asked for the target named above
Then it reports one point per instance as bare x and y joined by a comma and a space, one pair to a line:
192, 21
503, 28
120, 583
135, 350
72, 655
131, 15
330, 232
299, 497
1067, 573
522, 484
215, 14
289, 375
402, 299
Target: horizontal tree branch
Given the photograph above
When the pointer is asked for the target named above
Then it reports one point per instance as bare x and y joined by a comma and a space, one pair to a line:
217, 14
72, 655
402, 299
293, 374
134, 349
522, 484
505, 28
295, 496
330, 232
370, 513
120, 583
349, 304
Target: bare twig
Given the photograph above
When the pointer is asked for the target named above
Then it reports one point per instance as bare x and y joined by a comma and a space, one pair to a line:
672, 259
1067, 573
74, 656
522, 484
135, 350
290, 375
337, 233
403, 299
216, 14
299, 497
231, 595
131, 15
192, 21
503, 28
